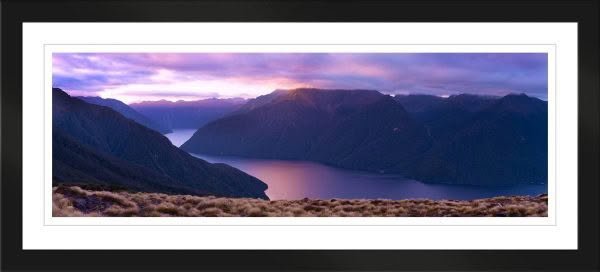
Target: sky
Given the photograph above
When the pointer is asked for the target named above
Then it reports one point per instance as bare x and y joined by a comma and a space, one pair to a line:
135, 77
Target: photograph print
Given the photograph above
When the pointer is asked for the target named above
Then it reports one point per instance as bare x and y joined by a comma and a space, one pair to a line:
300, 134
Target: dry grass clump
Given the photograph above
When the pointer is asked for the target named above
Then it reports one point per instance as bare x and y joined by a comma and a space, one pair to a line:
75, 201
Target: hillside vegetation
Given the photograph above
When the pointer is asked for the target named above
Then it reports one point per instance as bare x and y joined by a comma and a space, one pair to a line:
75, 201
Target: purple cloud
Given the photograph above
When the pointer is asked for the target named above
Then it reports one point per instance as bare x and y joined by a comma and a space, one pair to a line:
140, 76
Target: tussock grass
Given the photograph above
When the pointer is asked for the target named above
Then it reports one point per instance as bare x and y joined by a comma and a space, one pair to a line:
75, 201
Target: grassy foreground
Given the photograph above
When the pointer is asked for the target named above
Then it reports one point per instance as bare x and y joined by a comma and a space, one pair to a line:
75, 201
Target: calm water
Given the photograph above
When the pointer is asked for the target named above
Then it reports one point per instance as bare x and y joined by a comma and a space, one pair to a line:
299, 179
179, 136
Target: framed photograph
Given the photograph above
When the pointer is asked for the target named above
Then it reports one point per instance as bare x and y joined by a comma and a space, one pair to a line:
316, 135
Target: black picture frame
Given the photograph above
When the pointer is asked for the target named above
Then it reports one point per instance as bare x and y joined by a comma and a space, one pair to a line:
584, 12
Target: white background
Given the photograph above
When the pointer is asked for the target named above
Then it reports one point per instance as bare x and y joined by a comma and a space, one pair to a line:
557, 231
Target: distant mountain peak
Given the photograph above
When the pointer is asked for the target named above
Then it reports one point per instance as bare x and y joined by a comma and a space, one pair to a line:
330, 99
521, 96
517, 94
327, 90
126, 111
464, 96
520, 103
330, 92
188, 114
206, 101
417, 95
59, 92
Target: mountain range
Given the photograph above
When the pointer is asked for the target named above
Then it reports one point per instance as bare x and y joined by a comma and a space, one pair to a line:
443, 117
355, 129
187, 114
495, 141
462, 139
97, 145
126, 111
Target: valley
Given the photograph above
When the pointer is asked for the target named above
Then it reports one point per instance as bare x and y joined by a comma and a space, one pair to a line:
300, 134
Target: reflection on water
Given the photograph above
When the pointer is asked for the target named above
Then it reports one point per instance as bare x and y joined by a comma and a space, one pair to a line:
299, 179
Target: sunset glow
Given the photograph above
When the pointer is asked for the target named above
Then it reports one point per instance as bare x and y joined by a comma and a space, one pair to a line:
134, 77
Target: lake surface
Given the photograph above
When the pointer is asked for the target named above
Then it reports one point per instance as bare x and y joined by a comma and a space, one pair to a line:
300, 179
179, 136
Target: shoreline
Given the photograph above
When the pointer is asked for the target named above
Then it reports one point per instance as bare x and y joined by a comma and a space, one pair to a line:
78, 202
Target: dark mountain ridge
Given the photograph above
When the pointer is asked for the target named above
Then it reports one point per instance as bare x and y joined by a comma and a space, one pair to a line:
505, 143
126, 111
356, 129
259, 101
462, 139
443, 117
96, 145
187, 114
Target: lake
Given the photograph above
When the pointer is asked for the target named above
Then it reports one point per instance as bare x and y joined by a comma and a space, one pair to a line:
300, 179
179, 136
